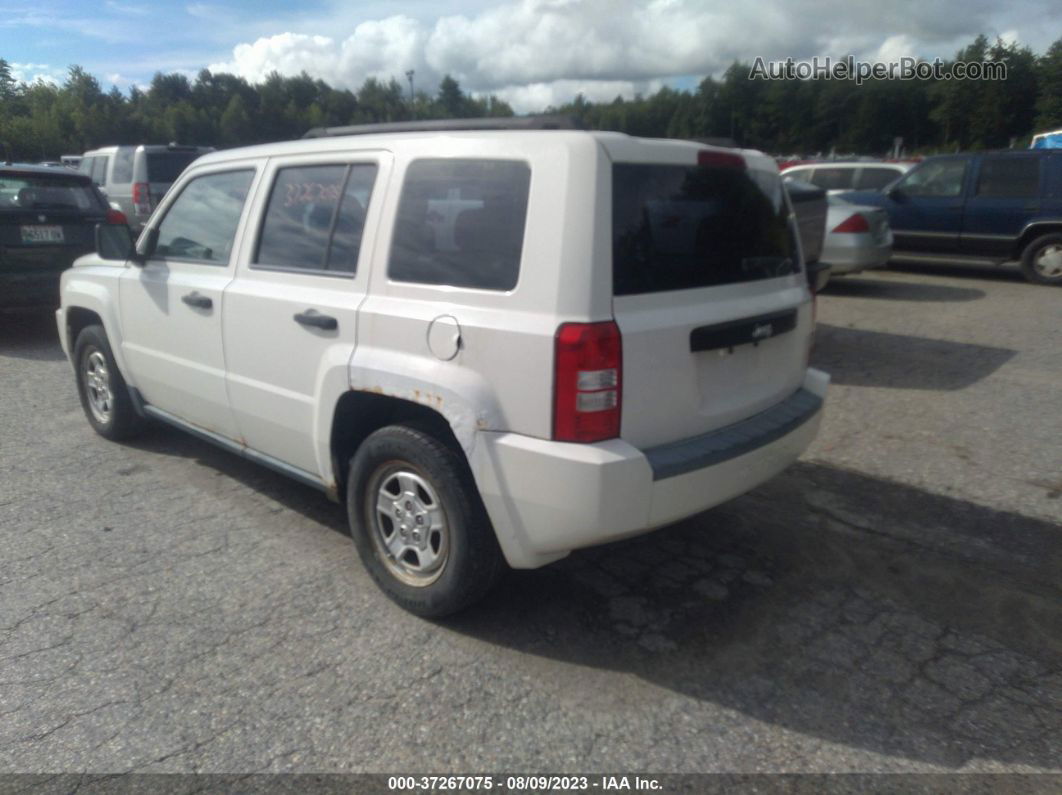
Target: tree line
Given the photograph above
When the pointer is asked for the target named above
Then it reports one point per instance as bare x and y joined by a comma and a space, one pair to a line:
41, 120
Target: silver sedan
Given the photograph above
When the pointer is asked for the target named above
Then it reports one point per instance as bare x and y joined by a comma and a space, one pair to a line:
858, 237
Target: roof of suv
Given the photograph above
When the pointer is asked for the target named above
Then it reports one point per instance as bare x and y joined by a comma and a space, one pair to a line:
617, 143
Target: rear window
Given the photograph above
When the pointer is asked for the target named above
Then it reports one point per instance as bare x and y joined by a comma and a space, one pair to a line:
679, 227
167, 166
45, 193
461, 223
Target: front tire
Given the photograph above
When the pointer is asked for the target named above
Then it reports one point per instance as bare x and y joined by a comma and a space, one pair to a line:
1041, 262
418, 523
103, 392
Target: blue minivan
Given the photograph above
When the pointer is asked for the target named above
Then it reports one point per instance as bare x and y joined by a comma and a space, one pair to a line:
985, 207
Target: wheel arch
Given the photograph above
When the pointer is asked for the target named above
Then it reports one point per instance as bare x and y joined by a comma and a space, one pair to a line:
84, 301
1033, 231
358, 413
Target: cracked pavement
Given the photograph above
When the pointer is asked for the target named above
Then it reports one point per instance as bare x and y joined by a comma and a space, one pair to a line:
891, 603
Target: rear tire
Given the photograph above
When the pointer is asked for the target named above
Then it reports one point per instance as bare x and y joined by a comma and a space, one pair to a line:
418, 523
103, 392
1041, 262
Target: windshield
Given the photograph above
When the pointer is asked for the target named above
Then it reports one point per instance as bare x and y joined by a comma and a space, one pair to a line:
680, 227
27, 192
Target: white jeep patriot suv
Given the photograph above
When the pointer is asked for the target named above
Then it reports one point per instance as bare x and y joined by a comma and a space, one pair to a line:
494, 345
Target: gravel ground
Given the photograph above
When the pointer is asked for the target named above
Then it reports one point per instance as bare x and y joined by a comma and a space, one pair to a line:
890, 603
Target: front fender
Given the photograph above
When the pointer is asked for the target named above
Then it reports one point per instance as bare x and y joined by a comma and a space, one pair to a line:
93, 286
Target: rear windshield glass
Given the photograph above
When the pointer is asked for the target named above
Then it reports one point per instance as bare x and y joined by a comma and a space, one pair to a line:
681, 227
167, 166
45, 193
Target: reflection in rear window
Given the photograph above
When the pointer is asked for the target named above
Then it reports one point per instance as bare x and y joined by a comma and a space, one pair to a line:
46, 193
461, 223
679, 227
167, 166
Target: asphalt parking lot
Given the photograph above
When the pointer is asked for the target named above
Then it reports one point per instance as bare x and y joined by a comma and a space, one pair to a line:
891, 603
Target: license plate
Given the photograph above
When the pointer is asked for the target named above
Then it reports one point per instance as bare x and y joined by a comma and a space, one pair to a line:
42, 234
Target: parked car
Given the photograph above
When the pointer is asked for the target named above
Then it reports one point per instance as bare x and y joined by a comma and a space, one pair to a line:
985, 207
837, 177
858, 237
47, 220
606, 335
135, 178
70, 161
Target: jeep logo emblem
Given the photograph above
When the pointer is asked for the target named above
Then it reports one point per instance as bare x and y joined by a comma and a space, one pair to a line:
762, 331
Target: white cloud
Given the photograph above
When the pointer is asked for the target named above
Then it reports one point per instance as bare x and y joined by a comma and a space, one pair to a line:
538, 96
126, 8
539, 52
1010, 37
894, 48
32, 72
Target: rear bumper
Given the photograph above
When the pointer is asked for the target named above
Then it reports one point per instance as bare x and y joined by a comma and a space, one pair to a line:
854, 253
547, 498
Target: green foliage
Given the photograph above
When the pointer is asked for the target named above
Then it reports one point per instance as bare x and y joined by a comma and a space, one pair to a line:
41, 120
1049, 101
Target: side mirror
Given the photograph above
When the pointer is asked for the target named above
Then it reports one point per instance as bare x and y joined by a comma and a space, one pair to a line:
896, 194
145, 246
114, 241
818, 275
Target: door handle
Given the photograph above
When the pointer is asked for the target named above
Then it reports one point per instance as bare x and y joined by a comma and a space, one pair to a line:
311, 317
198, 301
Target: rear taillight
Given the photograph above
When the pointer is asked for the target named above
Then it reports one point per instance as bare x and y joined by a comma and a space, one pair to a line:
141, 198
587, 382
851, 224
116, 217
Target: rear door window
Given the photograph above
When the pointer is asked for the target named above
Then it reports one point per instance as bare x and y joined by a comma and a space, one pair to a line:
315, 218
834, 178
461, 223
1009, 178
682, 227
876, 178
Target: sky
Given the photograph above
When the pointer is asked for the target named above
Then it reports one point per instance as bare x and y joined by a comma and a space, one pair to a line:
532, 53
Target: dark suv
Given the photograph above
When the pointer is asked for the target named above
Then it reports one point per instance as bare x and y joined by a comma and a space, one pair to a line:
48, 218
989, 207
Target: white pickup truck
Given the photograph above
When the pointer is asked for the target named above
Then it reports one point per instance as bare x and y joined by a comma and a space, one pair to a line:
493, 345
